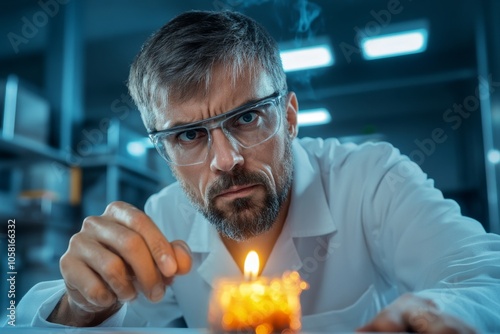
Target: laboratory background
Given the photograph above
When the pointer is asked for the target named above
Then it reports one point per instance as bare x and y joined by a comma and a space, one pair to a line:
423, 75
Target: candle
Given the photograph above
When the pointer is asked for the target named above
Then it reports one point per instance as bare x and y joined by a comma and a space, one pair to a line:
256, 304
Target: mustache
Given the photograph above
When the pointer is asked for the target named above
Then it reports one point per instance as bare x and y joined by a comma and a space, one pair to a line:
238, 177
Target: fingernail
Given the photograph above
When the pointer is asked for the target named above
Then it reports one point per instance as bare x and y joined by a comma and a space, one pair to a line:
168, 265
157, 293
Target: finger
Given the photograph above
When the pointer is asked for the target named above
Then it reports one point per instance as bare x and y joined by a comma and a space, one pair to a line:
182, 256
420, 321
385, 321
110, 267
167, 281
80, 317
382, 326
433, 322
130, 247
158, 245
85, 288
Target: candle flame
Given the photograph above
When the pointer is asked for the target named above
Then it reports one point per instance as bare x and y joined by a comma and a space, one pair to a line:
251, 268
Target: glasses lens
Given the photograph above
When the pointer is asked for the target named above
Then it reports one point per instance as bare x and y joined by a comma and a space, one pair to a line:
254, 126
249, 127
184, 148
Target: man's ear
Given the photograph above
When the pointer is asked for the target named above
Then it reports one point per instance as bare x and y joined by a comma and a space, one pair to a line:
292, 110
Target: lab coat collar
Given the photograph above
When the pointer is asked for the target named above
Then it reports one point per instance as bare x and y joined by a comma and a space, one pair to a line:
308, 195
308, 198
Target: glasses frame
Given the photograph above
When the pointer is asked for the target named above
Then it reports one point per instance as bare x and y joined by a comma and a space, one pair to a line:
217, 122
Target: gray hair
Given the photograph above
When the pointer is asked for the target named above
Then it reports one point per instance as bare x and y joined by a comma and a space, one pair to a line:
178, 60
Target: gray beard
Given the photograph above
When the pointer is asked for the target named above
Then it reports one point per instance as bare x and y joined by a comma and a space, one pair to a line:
246, 217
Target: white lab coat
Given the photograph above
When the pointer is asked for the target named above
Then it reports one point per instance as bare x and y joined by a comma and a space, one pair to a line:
365, 225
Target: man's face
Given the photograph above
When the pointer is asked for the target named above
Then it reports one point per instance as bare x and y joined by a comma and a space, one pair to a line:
240, 191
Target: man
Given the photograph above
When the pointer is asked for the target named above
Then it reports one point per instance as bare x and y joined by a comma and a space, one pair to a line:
379, 246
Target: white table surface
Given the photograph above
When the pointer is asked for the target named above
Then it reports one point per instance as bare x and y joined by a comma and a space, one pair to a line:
146, 330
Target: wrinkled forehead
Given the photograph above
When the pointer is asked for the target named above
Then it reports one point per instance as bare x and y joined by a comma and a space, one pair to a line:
226, 91
231, 74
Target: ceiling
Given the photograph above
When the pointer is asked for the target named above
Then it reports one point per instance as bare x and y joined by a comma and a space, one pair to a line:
357, 92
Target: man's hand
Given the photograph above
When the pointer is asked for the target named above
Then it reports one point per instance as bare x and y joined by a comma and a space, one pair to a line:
410, 313
113, 258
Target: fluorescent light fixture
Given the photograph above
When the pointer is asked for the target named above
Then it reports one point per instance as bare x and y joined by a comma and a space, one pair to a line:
314, 117
307, 58
395, 44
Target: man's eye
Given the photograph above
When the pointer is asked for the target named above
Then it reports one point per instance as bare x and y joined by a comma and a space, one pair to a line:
190, 135
247, 118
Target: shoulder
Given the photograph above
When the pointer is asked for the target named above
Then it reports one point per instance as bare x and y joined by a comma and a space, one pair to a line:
356, 169
332, 155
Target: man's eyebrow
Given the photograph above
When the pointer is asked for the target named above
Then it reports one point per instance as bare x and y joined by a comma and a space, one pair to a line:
248, 102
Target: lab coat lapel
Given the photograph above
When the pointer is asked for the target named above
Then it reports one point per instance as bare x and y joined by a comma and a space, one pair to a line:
215, 260
307, 203
284, 256
309, 214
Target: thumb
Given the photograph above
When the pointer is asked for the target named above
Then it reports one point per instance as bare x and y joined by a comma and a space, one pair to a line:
182, 256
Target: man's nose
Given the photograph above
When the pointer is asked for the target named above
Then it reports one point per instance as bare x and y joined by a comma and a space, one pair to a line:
225, 153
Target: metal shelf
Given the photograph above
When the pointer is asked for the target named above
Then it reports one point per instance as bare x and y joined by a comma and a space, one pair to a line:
22, 147
120, 162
